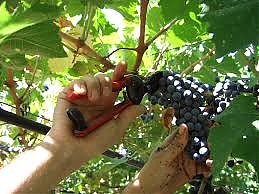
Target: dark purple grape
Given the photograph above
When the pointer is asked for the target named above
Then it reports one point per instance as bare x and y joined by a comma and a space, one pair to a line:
190, 126
201, 117
177, 96
170, 80
197, 126
187, 93
153, 100
162, 82
188, 116
231, 163
203, 151
223, 105
188, 102
195, 111
171, 89
196, 156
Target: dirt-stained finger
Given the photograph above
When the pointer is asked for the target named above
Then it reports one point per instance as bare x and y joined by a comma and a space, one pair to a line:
176, 140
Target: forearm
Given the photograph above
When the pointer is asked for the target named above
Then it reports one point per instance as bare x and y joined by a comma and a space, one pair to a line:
38, 170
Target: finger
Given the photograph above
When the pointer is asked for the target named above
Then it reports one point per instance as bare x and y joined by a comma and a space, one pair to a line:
176, 142
205, 168
129, 115
119, 71
79, 87
209, 163
93, 88
105, 84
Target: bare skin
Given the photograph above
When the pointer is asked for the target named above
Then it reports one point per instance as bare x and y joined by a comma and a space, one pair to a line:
168, 167
39, 170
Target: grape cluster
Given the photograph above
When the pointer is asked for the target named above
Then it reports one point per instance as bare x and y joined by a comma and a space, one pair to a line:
225, 91
187, 97
196, 104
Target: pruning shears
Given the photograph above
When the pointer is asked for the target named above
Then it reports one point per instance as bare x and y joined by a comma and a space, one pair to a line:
136, 88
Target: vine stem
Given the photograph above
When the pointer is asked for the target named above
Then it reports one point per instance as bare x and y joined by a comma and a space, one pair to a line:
191, 66
85, 50
142, 46
141, 41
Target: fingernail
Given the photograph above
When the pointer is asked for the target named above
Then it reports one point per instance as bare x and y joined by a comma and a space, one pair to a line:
123, 62
106, 91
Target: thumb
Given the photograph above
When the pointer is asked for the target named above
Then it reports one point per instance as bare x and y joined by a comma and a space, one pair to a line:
128, 115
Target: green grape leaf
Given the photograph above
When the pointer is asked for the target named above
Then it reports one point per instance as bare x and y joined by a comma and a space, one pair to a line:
75, 8
36, 14
234, 123
13, 58
155, 20
80, 68
235, 24
126, 8
172, 9
113, 162
247, 143
40, 39
101, 25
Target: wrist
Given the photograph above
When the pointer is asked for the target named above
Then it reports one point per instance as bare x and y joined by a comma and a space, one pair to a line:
66, 148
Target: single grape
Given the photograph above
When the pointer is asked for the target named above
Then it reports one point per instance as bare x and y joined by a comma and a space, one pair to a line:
188, 116
171, 89
203, 151
177, 96
196, 156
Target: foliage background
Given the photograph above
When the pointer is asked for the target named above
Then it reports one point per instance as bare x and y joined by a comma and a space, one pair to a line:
204, 39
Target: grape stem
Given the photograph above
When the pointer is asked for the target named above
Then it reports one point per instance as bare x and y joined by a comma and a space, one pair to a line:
123, 48
159, 57
191, 66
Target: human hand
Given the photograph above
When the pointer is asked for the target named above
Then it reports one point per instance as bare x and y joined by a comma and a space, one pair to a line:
168, 167
99, 99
